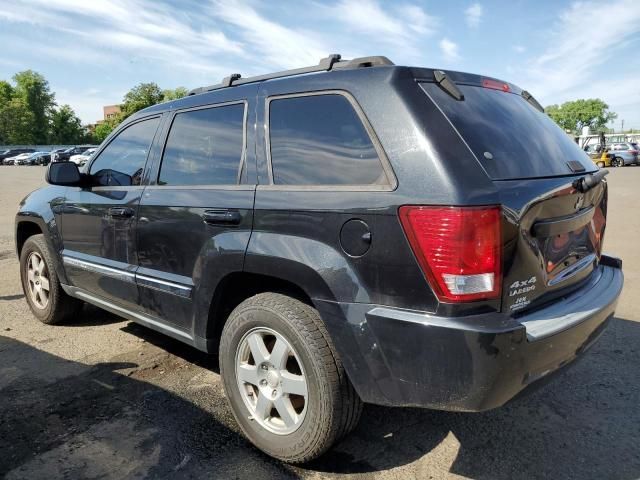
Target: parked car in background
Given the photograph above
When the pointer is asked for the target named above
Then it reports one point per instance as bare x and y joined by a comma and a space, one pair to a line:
601, 158
35, 158
624, 154
82, 158
69, 152
12, 152
16, 158
54, 154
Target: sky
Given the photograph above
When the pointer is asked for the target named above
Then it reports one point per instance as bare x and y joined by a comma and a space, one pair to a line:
93, 51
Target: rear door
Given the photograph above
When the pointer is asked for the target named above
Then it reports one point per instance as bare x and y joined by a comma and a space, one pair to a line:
552, 232
195, 218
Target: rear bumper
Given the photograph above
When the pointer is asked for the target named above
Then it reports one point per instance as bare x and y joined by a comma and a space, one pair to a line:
408, 358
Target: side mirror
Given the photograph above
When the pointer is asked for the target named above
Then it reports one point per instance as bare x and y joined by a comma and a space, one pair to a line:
63, 173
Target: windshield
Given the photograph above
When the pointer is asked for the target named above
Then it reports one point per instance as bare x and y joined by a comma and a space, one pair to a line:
509, 136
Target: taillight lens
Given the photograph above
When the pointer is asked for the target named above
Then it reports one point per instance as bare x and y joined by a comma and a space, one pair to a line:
458, 248
495, 85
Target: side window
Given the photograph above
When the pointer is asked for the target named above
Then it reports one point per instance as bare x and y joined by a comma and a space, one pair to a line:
204, 147
122, 161
320, 140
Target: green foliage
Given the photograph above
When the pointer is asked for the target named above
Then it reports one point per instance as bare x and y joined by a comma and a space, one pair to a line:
29, 114
574, 115
65, 127
33, 89
103, 129
175, 94
16, 120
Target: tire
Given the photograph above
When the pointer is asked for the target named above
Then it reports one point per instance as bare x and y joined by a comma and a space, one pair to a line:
600, 164
331, 408
619, 162
58, 306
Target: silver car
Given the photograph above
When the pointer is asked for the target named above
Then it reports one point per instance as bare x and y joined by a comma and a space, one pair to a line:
624, 154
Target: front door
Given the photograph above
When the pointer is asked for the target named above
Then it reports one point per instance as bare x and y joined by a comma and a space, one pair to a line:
98, 221
196, 215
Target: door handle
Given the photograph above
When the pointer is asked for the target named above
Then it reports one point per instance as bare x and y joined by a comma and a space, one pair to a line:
221, 217
121, 212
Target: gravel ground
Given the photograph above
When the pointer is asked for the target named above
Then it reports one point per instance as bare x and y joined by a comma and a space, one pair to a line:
106, 398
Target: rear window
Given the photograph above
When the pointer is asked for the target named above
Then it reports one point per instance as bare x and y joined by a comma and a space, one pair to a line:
509, 136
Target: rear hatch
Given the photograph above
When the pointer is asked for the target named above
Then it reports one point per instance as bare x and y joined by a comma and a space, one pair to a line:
552, 233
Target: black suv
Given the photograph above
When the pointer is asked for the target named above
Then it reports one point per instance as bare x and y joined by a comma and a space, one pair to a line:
361, 233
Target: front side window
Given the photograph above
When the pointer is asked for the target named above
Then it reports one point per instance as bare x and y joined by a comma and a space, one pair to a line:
121, 163
204, 147
320, 140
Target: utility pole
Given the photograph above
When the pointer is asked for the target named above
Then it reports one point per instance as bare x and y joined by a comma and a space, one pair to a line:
622, 126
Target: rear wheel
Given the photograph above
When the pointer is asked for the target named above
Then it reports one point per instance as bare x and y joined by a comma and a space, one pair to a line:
601, 164
619, 162
284, 381
45, 296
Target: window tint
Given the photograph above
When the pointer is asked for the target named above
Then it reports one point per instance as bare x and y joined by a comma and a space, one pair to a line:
320, 140
204, 147
122, 161
508, 136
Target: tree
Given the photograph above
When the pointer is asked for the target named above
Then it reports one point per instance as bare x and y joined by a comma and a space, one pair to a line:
141, 96
576, 114
33, 89
175, 94
103, 129
65, 127
16, 120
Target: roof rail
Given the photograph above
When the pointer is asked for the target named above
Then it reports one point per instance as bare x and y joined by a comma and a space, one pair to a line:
332, 62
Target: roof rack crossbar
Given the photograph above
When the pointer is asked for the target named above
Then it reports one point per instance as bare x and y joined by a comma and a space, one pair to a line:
326, 64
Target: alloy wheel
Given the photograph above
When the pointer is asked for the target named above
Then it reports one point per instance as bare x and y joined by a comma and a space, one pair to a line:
271, 380
38, 280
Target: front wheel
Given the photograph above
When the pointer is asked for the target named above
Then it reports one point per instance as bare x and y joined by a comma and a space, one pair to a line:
619, 162
600, 164
45, 296
284, 381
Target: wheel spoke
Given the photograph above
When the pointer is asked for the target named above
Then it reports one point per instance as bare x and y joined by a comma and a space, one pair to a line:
258, 348
286, 411
279, 354
31, 275
293, 384
44, 283
248, 373
263, 406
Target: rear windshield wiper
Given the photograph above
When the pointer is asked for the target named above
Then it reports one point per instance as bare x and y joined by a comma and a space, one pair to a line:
448, 85
529, 98
585, 184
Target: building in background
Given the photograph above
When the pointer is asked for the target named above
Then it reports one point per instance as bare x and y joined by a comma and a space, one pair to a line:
110, 111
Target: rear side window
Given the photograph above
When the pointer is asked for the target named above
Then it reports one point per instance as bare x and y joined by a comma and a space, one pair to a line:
204, 147
320, 140
508, 136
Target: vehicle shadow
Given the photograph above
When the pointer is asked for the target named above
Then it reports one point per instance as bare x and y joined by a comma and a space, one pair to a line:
91, 316
63, 419
9, 298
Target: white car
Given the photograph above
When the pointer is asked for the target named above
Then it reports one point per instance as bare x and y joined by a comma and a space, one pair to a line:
82, 158
13, 160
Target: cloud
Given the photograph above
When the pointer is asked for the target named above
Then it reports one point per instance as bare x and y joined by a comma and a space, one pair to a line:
274, 44
473, 15
449, 50
397, 26
519, 49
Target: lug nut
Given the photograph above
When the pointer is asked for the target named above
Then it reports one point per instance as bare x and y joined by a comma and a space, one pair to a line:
263, 382
275, 392
264, 367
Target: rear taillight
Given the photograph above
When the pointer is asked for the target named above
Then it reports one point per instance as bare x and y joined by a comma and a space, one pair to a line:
495, 85
458, 248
